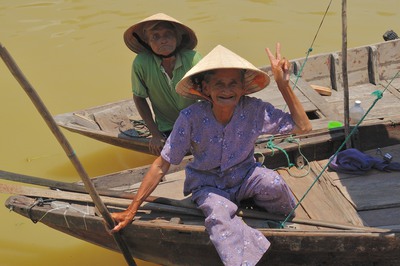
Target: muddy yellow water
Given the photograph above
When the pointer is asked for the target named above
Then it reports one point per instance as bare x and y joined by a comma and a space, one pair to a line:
73, 54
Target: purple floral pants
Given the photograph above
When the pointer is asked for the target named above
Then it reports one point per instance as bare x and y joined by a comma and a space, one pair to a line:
238, 244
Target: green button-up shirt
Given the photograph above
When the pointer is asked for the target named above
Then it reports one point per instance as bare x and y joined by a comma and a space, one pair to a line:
150, 80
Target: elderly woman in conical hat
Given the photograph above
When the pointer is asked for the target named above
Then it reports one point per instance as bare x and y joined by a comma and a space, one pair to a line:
164, 48
220, 132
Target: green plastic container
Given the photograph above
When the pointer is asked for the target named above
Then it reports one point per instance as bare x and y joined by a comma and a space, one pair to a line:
334, 124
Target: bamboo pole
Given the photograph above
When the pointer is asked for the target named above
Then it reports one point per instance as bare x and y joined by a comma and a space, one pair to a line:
30, 91
344, 73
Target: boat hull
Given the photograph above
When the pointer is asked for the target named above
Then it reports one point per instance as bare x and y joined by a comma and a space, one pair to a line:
168, 242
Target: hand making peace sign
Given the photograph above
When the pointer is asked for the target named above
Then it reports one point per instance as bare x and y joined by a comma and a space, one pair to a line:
280, 66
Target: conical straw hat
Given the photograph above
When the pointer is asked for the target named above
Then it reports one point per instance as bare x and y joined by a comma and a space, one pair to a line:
221, 57
136, 43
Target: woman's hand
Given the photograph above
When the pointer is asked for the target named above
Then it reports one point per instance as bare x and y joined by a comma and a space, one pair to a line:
123, 219
280, 66
152, 178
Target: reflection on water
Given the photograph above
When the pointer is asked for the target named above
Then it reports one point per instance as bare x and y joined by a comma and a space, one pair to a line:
72, 52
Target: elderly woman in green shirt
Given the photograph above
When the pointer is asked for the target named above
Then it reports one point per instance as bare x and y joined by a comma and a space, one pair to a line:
164, 48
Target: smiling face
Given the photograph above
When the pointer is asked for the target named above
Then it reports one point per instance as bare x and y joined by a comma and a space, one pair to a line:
162, 38
224, 87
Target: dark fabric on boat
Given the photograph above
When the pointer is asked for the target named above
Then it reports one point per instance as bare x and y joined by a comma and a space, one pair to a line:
353, 161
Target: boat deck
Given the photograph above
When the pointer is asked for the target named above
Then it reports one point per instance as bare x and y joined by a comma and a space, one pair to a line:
370, 68
375, 195
371, 199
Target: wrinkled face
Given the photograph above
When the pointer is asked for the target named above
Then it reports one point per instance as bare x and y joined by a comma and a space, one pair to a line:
224, 86
162, 40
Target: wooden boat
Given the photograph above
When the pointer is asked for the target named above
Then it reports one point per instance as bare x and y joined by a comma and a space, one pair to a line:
342, 219
369, 69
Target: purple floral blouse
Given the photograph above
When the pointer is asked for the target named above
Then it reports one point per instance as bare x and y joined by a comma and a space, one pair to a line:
223, 155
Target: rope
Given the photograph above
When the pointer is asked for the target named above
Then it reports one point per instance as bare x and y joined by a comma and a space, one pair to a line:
298, 75
38, 202
270, 145
379, 95
66, 206
291, 140
322, 21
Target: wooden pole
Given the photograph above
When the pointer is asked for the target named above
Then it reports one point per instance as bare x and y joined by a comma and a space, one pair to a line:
344, 73
177, 207
73, 187
14, 69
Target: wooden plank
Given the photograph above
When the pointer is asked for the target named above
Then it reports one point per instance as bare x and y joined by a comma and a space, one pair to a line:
77, 197
386, 107
300, 212
272, 95
324, 91
387, 218
321, 123
317, 203
116, 117
113, 120
392, 88
338, 200
81, 119
371, 190
394, 150
319, 101
357, 65
57, 194
172, 187
388, 54
317, 69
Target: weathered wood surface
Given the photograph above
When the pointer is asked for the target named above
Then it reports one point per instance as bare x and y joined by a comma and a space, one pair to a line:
383, 218
176, 237
323, 202
370, 68
375, 194
373, 190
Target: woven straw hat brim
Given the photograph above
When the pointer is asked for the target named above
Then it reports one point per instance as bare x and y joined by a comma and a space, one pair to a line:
188, 42
220, 57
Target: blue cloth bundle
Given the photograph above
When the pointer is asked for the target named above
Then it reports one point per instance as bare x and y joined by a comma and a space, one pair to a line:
353, 161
